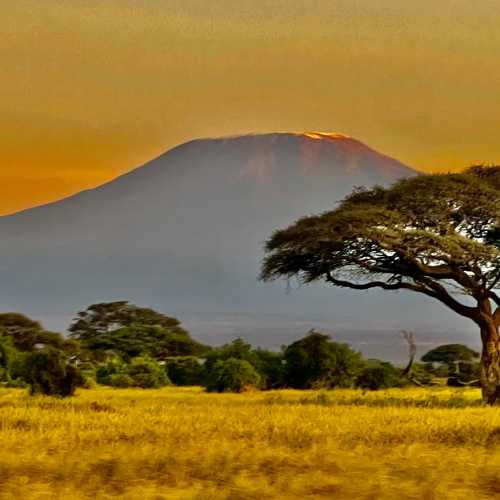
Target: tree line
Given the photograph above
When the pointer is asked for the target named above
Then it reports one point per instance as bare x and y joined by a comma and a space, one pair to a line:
119, 344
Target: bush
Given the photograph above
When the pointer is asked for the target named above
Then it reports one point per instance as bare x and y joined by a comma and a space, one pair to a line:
271, 368
48, 372
380, 375
231, 375
141, 372
6, 355
146, 373
105, 372
121, 380
184, 370
316, 361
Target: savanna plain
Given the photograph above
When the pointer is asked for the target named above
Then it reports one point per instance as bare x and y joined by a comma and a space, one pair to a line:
183, 443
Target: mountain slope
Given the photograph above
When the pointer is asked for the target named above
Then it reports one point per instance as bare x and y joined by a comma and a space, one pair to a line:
185, 231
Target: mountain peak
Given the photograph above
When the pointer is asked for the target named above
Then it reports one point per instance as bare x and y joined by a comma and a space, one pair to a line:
325, 135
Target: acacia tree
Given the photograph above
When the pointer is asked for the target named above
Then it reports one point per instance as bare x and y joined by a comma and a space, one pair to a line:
438, 235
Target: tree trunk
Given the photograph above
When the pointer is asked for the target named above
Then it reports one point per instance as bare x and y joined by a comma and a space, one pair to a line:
490, 364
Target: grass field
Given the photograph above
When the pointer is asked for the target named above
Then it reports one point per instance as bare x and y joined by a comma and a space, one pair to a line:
182, 443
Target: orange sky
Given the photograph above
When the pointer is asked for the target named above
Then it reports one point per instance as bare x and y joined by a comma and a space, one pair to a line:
92, 88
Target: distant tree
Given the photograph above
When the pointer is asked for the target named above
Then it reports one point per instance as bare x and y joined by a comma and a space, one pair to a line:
316, 360
431, 234
48, 372
120, 328
268, 364
380, 375
231, 375
236, 349
147, 373
106, 371
458, 362
108, 316
142, 372
27, 334
450, 354
138, 340
184, 370
271, 367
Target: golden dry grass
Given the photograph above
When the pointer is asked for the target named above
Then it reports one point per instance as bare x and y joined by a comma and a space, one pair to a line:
179, 443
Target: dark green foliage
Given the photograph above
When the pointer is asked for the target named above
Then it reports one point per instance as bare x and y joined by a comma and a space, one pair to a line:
237, 349
317, 361
146, 373
138, 340
184, 370
454, 361
121, 381
268, 364
141, 372
106, 371
271, 367
28, 335
124, 330
105, 317
450, 354
231, 375
6, 356
422, 374
380, 375
48, 372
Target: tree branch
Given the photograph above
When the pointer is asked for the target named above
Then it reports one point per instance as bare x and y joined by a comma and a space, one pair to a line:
426, 286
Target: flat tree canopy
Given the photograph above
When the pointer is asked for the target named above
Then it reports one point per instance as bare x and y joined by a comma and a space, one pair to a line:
449, 354
438, 235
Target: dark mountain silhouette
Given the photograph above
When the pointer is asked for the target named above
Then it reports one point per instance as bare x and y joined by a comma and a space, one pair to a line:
184, 233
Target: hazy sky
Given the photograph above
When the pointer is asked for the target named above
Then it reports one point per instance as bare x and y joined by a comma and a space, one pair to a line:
92, 88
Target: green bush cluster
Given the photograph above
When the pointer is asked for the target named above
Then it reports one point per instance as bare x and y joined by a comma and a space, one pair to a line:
142, 372
122, 345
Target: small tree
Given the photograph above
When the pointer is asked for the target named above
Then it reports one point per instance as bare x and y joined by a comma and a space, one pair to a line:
379, 375
108, 316
271, 367
28, 335
184, 370
141, 372
146, 373
316, 361
458, 360
48, 372
231, 375
129, 331
236, 349
431, 234
450, 355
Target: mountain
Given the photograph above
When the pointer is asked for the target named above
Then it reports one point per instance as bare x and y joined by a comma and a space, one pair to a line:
185, 231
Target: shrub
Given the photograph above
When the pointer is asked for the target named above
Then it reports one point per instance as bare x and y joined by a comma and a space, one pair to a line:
317, 361
106, 371
121, 380
237, 349
146, 373
271, 368
48, 372
380, 375
231, 375
184, 370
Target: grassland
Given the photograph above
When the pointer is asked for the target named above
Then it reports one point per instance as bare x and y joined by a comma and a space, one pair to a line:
182, 443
